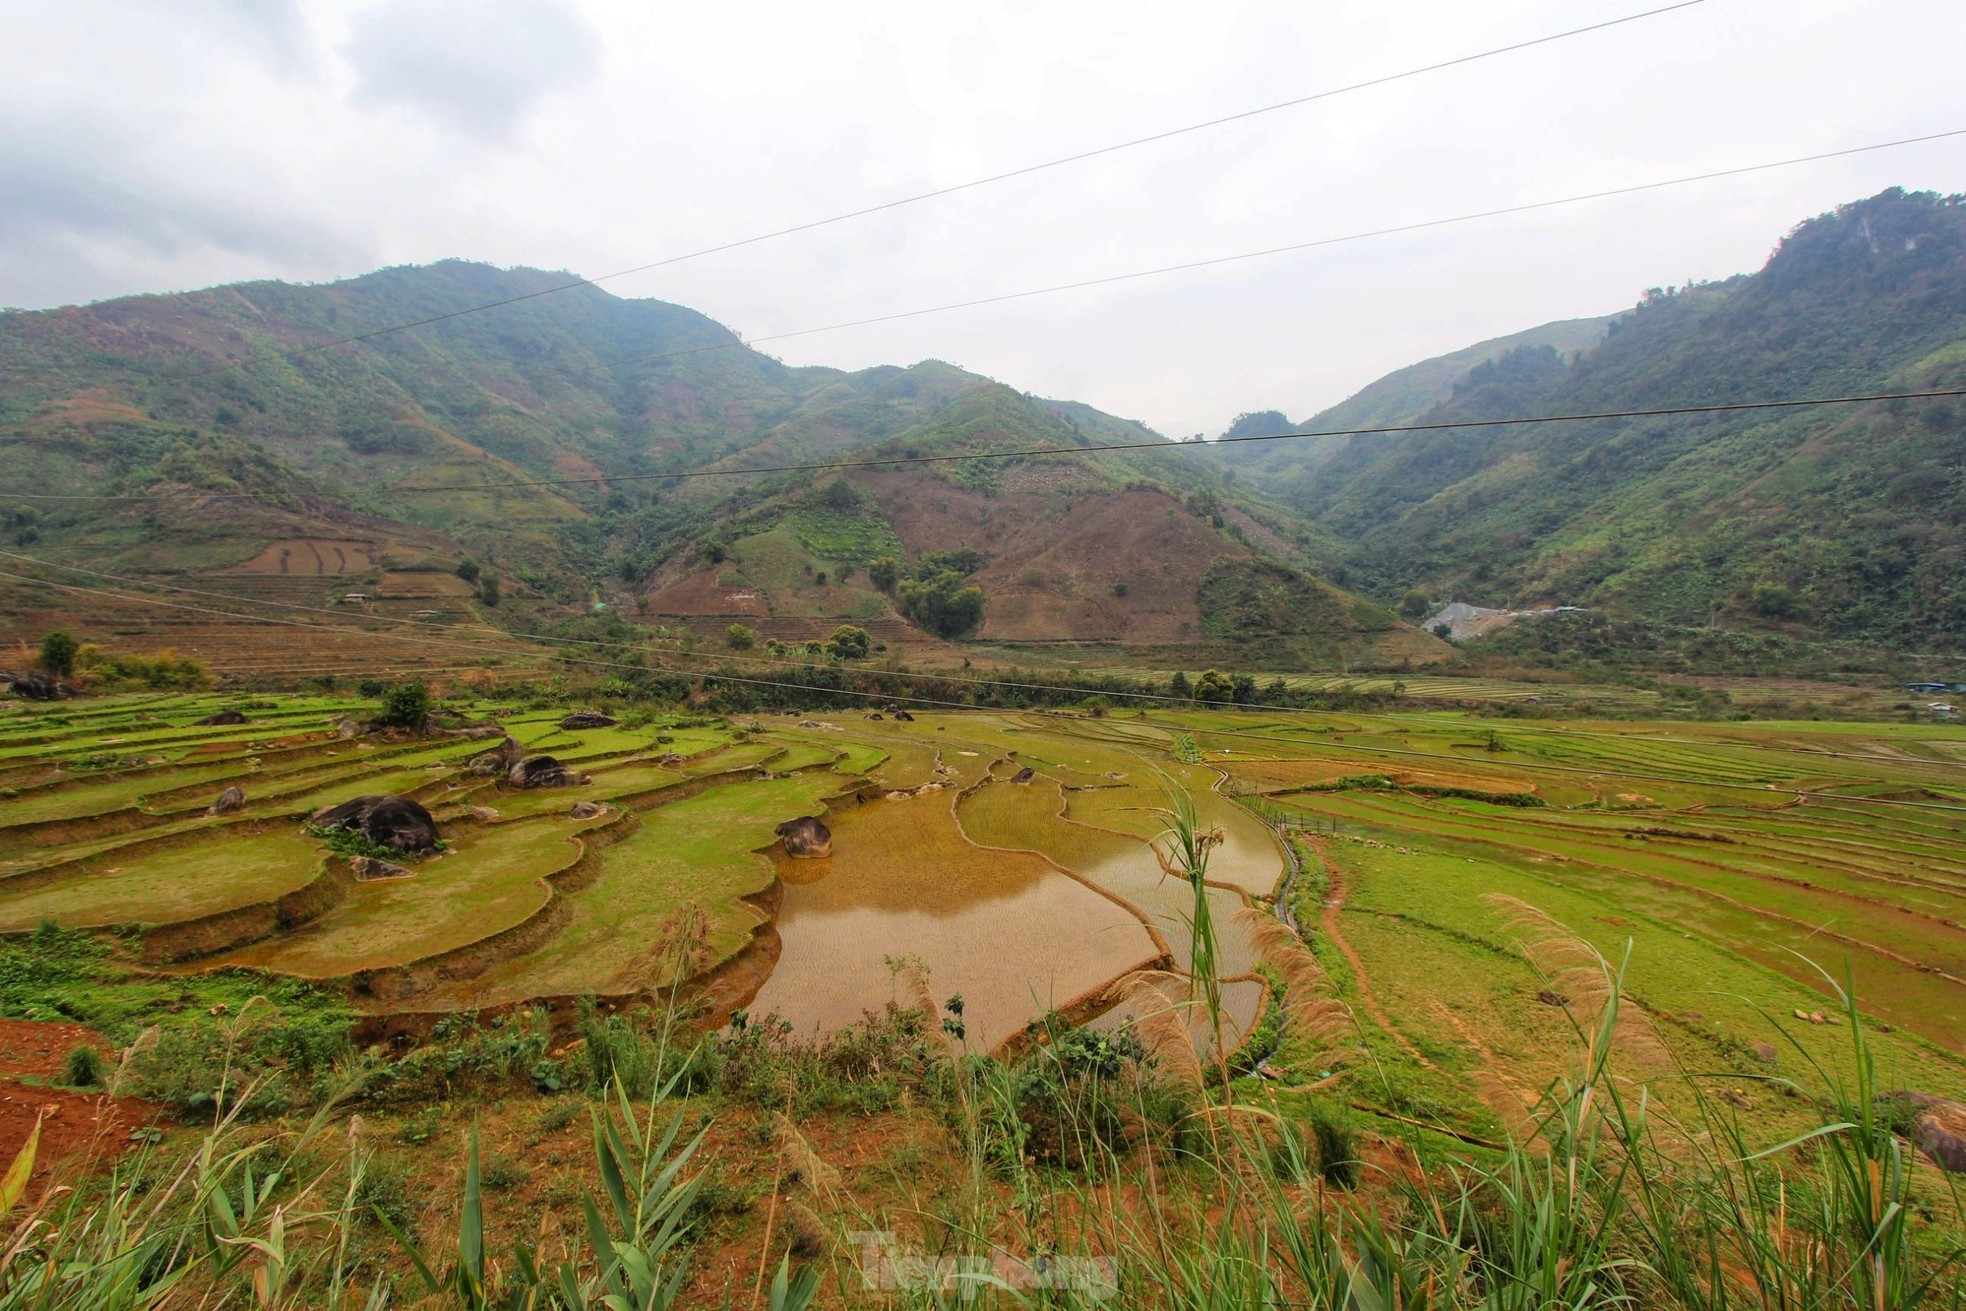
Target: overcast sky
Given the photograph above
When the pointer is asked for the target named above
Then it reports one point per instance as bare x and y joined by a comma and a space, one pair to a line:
159, 147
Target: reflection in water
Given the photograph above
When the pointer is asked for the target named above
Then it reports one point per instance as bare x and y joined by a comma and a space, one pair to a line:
1026, 818
1013, 935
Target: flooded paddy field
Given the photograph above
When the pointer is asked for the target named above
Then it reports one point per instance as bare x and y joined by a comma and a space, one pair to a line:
1009, 858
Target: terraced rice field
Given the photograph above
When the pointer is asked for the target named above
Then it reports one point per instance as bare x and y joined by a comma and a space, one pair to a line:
940, 859
1744, 866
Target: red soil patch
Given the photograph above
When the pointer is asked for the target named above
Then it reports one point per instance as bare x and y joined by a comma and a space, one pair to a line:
36, 1051
87, 408
1058, 556
78, 1130
310, 556
701, 594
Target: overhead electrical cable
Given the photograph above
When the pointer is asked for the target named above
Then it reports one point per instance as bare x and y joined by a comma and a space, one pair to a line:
1099, 448
989, 180
938, 703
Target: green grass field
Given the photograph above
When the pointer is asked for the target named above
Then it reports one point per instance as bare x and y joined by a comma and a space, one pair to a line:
1736, 862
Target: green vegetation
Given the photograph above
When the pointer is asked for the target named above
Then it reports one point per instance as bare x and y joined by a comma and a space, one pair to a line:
406, 705
942, 603
57, 654
1835, 523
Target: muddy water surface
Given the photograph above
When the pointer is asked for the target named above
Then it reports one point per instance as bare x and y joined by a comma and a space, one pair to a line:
1004, 928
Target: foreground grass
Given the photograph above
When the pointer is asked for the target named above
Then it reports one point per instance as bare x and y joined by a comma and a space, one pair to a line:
886, 1168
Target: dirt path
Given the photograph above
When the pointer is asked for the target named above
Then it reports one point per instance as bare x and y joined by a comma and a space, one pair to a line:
1494, 1089
1331, 907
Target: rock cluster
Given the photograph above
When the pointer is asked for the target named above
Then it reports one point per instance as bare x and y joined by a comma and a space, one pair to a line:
394, 822
37, 686
498, 760
588, 719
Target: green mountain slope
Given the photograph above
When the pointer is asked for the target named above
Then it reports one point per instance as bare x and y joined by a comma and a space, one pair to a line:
243, 450
1841, 521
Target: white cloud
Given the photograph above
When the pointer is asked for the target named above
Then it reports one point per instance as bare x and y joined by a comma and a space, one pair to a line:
476, 66
162, 147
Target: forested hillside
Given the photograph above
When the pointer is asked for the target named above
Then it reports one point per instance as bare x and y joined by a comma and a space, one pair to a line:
241, 444
1845, 521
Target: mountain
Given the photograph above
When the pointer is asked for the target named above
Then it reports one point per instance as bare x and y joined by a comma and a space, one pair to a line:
1844, 522
270, 465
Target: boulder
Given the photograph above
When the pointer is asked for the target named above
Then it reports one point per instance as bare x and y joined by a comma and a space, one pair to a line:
499, 760
394, 822
344, 727
33, 685
543, 772
877, 715
904, 716
1024, 775
368, 868
230, 802
222, 717
1938, 1127
806, 838
587, 810
588, 719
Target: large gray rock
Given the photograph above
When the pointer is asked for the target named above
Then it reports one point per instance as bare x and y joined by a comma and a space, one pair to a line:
807, 838
498, 760
230, 802
543, 772
222, 717
588, 719
37, 686
395, 822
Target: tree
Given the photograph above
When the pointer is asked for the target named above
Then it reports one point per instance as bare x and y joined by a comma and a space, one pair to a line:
58, 654
1179, 686
883, 572
849, 643
1243, 689
488, 589
1414, 605
740, 638
942, 604
405, 705
467, 569
1215, 688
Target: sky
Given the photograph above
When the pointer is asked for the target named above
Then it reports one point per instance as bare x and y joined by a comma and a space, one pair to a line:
148, 148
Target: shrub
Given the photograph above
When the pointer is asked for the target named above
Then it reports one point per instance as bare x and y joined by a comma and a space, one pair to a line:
849, 643
83, 1068
740, 638
942, 604
58, 654
405, 705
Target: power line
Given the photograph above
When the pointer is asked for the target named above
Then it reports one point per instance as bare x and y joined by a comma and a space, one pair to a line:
1024, 171
1159, 444
911, 699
